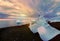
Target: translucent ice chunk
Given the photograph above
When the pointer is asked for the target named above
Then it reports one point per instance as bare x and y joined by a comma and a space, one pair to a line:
45, 31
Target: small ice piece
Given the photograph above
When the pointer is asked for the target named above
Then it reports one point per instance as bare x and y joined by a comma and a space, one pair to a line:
18, 22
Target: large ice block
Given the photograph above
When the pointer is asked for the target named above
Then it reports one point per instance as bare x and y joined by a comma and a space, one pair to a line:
45, 31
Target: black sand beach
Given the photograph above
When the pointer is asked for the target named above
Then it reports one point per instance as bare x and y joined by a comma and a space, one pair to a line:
23, 33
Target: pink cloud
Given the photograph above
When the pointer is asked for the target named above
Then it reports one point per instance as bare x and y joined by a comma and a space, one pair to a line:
19, 6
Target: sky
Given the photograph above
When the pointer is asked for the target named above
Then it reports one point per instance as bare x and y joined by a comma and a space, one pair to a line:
34, 8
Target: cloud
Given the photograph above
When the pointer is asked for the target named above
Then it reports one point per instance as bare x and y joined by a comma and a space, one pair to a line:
28, 7
18, 6
2, 15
